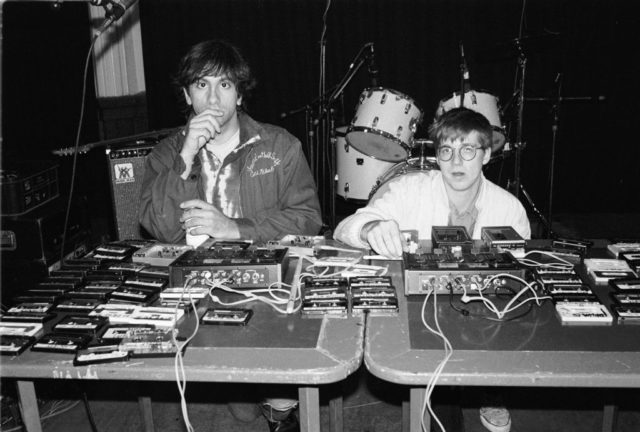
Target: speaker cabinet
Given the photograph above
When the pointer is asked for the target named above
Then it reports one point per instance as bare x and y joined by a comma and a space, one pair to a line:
126, 172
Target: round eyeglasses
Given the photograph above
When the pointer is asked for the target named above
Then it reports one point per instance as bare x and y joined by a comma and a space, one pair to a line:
466, 152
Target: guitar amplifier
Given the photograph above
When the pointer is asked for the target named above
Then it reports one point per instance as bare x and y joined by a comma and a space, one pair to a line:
27, 185
126, 172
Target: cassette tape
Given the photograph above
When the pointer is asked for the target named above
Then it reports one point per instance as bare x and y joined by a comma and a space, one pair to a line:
137, 295
553, 270
627, 313
100, 353
102, 285
185, 305
61, 343
20, 329
28, 317
97, 294
60, 282
35, 307
228, 316
48, 291
604, 276
616, 249
105, 275
580, 246
114, 249
583, 313
575, 298
14, 345
375, 304
155, 271
33, 298
64, 273
549, 279
126, 267
115, 313
184, 293
370, 281
85, 305
157, 316
336, 306
373, 292
146, 282
119, 332
80, 324
81, 264
562, 289
626, 298
149, 343
626, 284
321, 282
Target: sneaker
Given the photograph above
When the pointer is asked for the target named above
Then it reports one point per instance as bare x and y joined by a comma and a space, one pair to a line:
495, 419
289, 424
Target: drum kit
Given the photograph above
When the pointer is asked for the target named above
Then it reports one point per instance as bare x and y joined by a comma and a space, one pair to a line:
379, 144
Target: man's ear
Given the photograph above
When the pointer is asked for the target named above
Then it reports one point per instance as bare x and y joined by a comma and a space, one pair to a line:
187, 98
487, 156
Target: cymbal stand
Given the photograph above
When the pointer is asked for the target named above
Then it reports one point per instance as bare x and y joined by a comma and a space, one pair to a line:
555, 109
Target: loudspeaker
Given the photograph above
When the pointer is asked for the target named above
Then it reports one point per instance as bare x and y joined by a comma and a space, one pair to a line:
126, 171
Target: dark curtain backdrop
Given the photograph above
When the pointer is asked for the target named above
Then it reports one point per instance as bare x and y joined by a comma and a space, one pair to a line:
590, 43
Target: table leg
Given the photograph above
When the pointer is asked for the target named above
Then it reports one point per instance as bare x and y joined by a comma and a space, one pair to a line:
609, 417
406, 416
144, 402
309, 409
29, 406
416, 401
335, 414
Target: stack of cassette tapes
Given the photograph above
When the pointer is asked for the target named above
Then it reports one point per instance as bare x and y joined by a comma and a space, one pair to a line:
357, 295
626, 300
574, 301
373, 294
322, 296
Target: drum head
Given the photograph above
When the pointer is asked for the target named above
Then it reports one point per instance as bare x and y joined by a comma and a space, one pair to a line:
377, 145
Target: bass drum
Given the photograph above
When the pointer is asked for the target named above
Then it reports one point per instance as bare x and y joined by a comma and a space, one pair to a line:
356, 173
413, 165
483, 103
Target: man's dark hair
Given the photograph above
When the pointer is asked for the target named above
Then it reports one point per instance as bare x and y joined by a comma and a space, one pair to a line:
459, 122
215, 58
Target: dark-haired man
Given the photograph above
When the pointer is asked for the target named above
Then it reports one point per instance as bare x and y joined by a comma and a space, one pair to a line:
226, 175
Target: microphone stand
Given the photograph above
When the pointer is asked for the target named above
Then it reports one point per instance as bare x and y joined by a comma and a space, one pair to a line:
321, 144
555, 109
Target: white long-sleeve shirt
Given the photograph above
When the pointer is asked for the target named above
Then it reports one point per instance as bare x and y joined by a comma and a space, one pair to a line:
419, 201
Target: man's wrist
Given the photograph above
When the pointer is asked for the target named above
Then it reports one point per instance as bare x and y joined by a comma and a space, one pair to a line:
364, 231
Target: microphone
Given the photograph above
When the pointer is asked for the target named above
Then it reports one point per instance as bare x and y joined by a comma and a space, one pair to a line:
114, 9
372, 68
